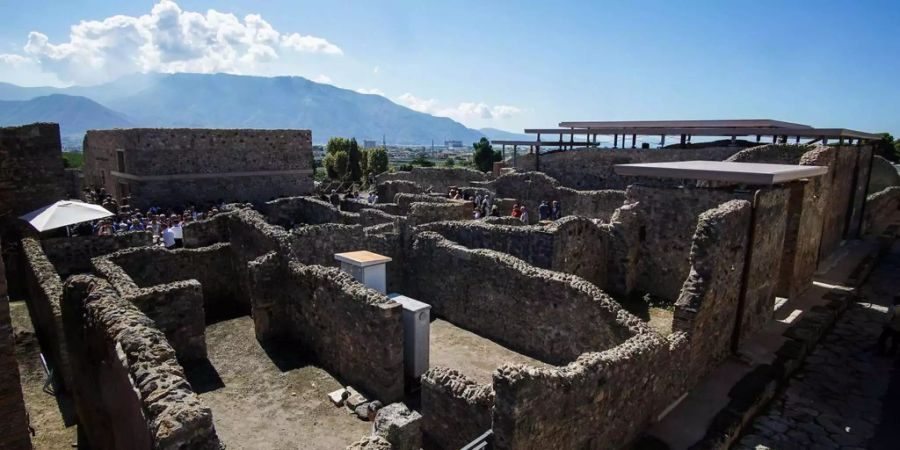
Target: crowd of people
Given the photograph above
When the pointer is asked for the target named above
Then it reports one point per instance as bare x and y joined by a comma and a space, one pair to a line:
483, 206
164, 224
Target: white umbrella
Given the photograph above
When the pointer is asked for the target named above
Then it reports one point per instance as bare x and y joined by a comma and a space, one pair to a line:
64, 212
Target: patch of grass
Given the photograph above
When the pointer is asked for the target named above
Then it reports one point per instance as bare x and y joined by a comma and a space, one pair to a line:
73, 160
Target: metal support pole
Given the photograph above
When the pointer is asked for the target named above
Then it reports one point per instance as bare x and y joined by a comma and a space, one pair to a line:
633, 141
662, 141
616, 140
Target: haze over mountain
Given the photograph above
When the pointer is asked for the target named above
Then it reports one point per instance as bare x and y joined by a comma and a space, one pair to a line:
229, 101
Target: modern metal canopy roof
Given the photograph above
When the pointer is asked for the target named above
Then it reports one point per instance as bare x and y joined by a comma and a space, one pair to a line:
728, 123
732, 172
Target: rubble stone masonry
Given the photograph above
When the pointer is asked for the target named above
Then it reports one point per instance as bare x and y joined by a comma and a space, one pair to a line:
31, 168
13, 416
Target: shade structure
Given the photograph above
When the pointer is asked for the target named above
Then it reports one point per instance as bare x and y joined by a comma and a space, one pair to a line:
64, 212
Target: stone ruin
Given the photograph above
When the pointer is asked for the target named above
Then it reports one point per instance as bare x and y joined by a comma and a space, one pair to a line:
586, 330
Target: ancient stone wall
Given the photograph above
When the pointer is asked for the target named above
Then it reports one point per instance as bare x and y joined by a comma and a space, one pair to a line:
31, 168
757, 305
580, 248
71, 255
420, 213
405, 200
601, 400
884, 175
388, 190
129, 390
708, 305
593, 168
354, 332
547, 315
859, 189
13, 416
531, 188
45, 291
881, 210
174, 167
292, 211
435, 178
656, 226
205, 232
840, 196
455, 409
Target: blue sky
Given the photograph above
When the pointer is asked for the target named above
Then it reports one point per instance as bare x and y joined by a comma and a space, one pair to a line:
504, 64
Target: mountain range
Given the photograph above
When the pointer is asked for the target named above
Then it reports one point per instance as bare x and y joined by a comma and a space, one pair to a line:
230, 101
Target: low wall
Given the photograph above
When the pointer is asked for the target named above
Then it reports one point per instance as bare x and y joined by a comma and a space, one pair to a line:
292, 211
45, 292
354, 332
205, 232
531, 188
881, 210
129, 390
709, 302
436, 178
420, 213
548, 315
455, 409
884, 175
405, 200
71, 255
13, 416
388, 190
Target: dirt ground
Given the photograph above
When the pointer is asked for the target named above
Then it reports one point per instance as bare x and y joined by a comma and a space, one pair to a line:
469, 353
269, 398
44, 412
659, 318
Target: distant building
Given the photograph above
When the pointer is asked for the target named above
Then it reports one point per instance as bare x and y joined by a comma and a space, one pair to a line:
370, 144
453, 144
175, 167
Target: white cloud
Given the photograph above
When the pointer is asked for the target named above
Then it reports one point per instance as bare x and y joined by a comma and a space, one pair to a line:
14, 60
322, 78
374, 91
168, 39
462, 112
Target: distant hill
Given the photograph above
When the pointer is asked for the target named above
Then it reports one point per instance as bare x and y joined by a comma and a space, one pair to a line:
74, 114
493, 133
233, 101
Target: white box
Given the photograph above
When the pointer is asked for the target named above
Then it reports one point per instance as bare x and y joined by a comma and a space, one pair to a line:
416, 334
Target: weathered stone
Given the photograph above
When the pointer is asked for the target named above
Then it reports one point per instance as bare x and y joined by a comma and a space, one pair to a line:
399, 426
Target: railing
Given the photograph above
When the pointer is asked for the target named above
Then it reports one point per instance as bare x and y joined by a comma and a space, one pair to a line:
483, 442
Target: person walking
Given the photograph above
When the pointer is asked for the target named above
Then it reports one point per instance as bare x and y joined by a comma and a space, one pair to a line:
524, 215
544, 210
555, 212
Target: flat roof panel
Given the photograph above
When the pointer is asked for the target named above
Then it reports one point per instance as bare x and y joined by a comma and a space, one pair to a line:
732, 172
719, 123
362, 258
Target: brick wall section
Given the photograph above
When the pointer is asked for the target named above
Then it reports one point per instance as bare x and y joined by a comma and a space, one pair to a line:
881, 210
168, 152
766, 251
354, 332
706, 309
547, 315
71, 255
45, 291
455, 409
662, 220
14, 433
435, 178
601, 400
593, 168
129, 390
533, 187
31, 168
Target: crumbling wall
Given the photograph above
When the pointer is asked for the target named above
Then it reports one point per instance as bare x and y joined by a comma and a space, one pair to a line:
881, 210
292, 211
601, 400
841, 174
420, 213
535, 245
209, 231
388, 190
71, 255
455, 409
44, 295
708, 305
13, 416
770, 207
405, 200
593, 168
884, 175
548, 315
859, 189
531, 188
580, 248
129, 390
656, 226
438, 179
354, 332
31, 168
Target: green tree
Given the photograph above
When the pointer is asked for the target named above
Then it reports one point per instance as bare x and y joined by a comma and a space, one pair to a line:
353, 164
888, 148
422, 161
341, 162
484, 155
378, 160
364, 163
449, 162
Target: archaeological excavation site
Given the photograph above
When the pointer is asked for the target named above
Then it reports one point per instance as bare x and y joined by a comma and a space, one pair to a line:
667, 300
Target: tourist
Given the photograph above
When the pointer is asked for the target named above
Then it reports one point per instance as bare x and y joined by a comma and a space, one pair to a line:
179, 232
891, 329
372, 198
335, 199
168, 237
516, 211
477, 200
136, 225
555, 212
495, 211
524, 215
544, 210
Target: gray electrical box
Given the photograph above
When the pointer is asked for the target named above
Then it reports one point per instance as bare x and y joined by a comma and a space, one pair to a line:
416, 334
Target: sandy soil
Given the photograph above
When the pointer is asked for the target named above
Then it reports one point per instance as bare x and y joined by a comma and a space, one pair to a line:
469, 353
45, 413
269, 397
